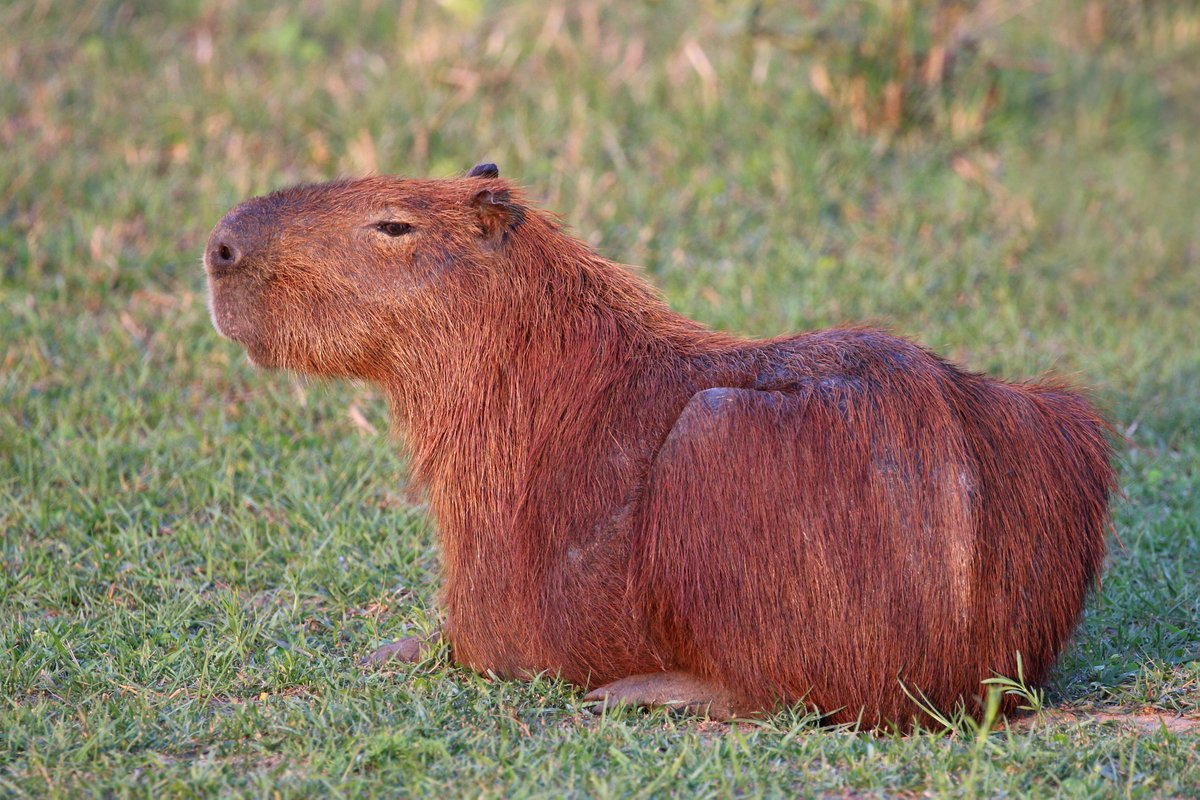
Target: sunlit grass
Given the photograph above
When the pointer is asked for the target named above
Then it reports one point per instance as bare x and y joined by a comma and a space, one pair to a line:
194, 555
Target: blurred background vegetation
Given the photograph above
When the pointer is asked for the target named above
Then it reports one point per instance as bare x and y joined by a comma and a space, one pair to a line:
1012, 183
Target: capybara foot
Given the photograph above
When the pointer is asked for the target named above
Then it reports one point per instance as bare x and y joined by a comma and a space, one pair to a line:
675, 690
408, 650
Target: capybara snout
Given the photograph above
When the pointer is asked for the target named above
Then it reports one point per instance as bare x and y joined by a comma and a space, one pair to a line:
242, 238
229, 242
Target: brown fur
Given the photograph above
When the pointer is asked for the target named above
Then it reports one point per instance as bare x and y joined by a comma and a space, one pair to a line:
622, 493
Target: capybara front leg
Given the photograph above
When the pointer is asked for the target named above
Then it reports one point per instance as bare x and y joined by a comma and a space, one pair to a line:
676, 690
409, 650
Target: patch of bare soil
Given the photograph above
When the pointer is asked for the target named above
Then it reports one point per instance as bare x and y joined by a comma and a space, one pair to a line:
1147, 720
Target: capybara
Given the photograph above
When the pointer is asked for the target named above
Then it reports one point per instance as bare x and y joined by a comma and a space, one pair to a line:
662, 513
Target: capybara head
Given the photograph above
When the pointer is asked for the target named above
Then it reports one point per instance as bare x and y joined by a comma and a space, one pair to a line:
317, 278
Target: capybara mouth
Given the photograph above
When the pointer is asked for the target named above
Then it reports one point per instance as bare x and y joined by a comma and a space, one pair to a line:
235, 309
231, 310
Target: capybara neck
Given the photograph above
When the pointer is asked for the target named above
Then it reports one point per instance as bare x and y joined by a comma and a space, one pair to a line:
546, 333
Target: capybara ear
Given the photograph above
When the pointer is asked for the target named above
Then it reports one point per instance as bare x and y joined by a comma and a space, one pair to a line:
485, 170
498, 213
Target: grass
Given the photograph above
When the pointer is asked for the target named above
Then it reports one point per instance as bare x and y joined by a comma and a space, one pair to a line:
195, 554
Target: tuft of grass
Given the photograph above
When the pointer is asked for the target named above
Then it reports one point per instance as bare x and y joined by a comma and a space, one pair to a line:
1034, 698
194, 555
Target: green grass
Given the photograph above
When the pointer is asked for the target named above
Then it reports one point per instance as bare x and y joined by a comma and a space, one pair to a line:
195, 554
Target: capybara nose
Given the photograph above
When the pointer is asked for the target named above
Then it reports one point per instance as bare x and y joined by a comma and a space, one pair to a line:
236, 239
223, 254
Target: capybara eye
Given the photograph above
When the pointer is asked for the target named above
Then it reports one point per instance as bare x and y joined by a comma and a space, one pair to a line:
394, 228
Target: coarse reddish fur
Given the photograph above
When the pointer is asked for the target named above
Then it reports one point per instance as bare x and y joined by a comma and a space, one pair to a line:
836, 516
